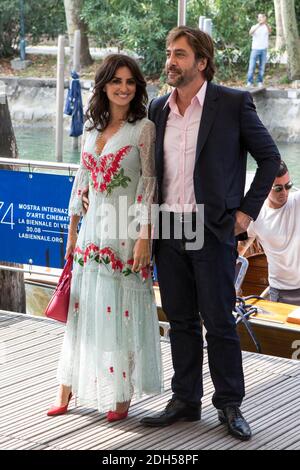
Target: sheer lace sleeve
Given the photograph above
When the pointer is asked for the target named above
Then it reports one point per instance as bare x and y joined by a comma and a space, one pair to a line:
147, 187
81, 182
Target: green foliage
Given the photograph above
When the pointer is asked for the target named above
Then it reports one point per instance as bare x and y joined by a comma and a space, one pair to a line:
232, 20
9, 27
297, 8
135, 25
285, 80
48, 18
142, 26
42, 18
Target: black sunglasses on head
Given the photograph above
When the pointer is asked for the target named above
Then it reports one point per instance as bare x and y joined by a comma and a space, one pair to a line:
279, 187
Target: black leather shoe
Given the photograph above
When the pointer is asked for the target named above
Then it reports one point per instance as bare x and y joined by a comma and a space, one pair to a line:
236, 423
175, 410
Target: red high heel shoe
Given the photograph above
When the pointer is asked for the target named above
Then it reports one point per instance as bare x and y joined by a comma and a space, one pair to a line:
115, 416
59, 410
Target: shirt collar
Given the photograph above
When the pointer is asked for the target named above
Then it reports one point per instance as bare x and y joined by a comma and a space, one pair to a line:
200, 96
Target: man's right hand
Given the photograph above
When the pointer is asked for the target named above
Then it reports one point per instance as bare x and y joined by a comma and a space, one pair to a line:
85, 200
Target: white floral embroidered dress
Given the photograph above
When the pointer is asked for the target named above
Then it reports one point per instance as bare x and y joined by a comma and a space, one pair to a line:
112, 345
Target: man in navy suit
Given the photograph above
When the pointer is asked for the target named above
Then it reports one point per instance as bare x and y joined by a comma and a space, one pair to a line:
203, 134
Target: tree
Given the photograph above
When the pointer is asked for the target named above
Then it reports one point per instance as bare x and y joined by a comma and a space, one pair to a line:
232, 20
12, 292
140, 26
280, 42
42, 18
75, 21
291, 37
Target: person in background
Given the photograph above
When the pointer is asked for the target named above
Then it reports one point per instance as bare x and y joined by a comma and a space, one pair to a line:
277, 229
260, 40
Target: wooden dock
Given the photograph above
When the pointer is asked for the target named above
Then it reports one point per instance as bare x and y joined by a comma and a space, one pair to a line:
29, 349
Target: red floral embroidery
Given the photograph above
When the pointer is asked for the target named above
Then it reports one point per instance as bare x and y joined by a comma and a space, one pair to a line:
124, 375
76, 305
140, 198
126, 314
90, 252
108, 310
144, 272
108, 258
111, 370
109, 167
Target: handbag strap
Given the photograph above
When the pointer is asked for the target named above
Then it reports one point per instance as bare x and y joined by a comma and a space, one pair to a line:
67, 268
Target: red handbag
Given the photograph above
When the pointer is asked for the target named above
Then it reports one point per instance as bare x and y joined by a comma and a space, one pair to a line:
59, 303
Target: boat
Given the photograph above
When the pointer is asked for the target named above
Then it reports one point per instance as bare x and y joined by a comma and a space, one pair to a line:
276, 335
273, 327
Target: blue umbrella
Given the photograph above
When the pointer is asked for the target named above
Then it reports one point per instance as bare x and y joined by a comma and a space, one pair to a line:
73, 106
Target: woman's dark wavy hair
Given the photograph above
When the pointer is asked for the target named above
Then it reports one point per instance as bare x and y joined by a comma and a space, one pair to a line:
98, 112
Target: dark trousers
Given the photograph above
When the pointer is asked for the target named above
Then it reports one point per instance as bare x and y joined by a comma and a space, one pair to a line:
193, 281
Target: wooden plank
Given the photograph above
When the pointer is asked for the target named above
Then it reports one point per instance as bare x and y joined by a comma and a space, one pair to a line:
22, 373
17, 444
293, 446
27, 386
34, 353
204, 431
30, 384
284, 437
267, 421
30, 344
262, 435
115, 441
255, 409
211, 423
23, 338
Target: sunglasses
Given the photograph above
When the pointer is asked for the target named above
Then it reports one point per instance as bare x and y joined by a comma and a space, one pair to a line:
279, 187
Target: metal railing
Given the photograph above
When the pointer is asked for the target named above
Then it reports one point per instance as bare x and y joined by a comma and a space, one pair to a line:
31, 164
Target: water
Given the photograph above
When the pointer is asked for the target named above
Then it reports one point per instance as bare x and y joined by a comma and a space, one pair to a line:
290, 153
39, 144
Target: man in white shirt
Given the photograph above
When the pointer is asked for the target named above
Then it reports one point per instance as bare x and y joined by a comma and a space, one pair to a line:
277, 228
260, 39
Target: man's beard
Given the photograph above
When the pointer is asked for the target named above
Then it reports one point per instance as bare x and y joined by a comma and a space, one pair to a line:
182, 78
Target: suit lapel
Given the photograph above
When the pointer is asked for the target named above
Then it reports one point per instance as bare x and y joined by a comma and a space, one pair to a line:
208, 115
160, 134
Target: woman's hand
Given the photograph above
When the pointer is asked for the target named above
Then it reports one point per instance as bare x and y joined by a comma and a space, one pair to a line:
71, 243
141, 254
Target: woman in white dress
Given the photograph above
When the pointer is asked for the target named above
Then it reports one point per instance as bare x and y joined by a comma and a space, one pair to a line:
111, 347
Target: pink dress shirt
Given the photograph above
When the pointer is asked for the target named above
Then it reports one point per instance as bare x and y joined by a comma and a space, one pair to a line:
180, 144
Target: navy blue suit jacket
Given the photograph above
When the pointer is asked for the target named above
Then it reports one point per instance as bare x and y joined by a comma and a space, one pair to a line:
230, 127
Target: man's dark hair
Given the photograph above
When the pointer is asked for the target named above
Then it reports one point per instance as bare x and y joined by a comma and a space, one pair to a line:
283, 169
